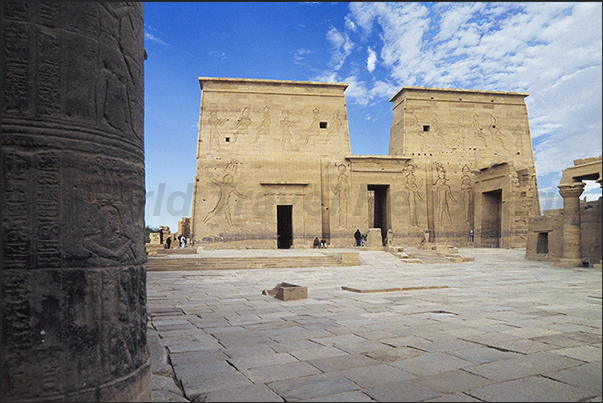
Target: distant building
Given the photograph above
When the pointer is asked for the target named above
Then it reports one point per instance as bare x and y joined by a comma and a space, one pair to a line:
275, 169
570, 236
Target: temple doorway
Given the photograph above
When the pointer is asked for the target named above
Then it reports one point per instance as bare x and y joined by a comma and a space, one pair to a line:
284, 224
379, 214
491, 218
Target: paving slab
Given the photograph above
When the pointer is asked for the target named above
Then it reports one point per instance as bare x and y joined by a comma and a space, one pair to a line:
517, 324
373, 375
199, 384
342, 362
248, 393
531, 389
523, 366
451, 382
483, 354
271, 373
431, 363
404, 391
312, 387
587, 376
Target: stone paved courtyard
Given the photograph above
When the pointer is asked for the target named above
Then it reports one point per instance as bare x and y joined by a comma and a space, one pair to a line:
500, 328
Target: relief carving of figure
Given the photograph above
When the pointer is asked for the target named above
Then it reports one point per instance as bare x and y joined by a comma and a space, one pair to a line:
242, 123
264, 127
413, 194
214, 132
116, 79
335, 124
518, 133
460, 142
415, 127
226, 190
342, 189
497, 134
286, 136
108, 242
312, 130
443, 196
467, 189
437, 130
478, 130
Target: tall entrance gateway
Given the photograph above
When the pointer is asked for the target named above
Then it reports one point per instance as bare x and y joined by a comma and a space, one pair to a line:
284, 225
491, 218
274, 161
379, 216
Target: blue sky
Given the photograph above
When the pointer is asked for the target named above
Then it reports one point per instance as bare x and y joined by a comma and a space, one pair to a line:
551, 50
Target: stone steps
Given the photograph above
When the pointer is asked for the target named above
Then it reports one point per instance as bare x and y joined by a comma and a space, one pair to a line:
236, 263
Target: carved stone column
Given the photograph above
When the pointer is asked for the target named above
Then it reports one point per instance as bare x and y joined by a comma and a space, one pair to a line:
572, 255
74, 281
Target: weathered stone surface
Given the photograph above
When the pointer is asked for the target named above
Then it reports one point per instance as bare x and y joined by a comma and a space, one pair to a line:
74, 282
275, 170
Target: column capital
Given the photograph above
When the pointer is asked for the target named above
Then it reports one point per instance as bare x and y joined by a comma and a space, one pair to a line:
574, 189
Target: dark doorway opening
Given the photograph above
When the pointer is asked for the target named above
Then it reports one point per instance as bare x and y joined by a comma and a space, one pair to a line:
380, 211
491, 218
542, 244
284, 224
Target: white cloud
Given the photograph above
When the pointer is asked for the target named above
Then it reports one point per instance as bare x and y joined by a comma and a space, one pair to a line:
148, 35
371, 60
551, 50
357, 90
300, 55
341, 47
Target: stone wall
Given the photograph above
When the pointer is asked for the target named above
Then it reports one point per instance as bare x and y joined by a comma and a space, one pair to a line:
459, 160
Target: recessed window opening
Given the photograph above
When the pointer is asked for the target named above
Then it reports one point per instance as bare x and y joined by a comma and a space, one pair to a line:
425, 128
227, 139
323, 125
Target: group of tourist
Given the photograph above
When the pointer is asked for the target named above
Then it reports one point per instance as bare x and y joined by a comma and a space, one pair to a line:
182, 241
320, 243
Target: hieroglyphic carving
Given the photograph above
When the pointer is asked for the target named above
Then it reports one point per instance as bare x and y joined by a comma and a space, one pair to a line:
73, 92
443, 196
47, 211
342, 190
226, 190
264, 128
413, 194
